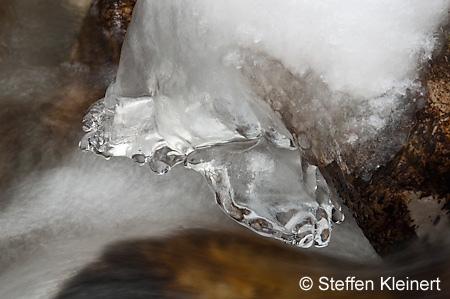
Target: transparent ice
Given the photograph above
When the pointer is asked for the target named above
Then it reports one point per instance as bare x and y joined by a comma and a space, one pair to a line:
260, 178
252, 94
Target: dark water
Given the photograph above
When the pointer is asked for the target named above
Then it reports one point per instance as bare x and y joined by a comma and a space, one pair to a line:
35, 38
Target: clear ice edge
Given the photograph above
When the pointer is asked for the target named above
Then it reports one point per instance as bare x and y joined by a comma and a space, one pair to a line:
259, 176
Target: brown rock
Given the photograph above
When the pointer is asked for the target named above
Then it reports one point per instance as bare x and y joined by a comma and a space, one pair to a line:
103, 31
410, 196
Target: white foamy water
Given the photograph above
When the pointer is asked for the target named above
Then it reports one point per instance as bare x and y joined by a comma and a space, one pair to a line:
58, 219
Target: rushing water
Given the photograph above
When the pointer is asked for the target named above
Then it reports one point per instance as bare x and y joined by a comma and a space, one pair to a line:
60, 207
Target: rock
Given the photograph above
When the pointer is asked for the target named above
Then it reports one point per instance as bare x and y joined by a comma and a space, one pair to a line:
409, 197
103, 31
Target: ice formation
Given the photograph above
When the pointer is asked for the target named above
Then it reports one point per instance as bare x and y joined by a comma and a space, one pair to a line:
238, 90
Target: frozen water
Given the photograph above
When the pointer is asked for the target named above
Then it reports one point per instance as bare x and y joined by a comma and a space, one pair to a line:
251, 94
259, 177
269, 189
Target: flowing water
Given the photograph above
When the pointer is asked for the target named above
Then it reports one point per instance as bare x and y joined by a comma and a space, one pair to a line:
59, 207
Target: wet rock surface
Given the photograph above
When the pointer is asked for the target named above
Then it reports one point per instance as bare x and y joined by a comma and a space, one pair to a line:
409, 197
103, 31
